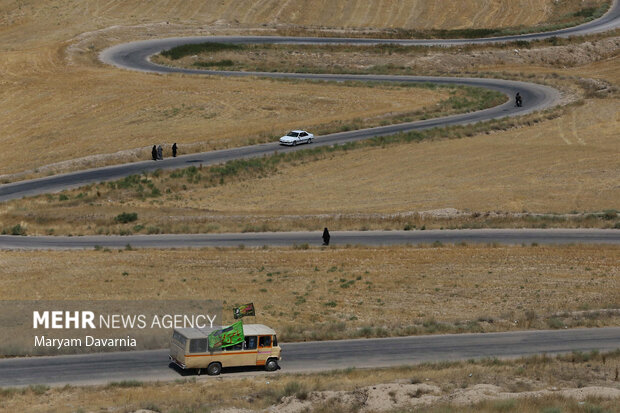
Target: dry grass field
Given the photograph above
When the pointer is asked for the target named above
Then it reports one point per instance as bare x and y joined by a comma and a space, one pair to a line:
62, 19
565, 165
576, 383
570, 163
540, 57
56, 105
92, 111
346, 292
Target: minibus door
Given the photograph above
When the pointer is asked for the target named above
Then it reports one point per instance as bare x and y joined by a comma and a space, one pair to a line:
264, 350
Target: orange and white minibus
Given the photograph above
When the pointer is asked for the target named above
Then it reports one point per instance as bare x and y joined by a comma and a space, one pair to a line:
189, 349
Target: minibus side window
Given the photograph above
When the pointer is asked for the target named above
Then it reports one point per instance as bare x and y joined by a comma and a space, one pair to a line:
264, 341
250, 342
275, 341
198, 345
179, 338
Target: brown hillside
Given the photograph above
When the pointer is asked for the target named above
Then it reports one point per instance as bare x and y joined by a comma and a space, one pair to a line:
33, 21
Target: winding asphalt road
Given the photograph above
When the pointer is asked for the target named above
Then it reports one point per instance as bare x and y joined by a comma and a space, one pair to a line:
151, 365
135, 56
537, 97
312, 356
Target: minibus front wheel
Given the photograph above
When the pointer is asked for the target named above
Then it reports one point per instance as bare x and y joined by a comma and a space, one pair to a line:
214, 369
272, 365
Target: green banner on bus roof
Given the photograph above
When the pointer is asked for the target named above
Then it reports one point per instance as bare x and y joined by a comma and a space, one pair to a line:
228, 336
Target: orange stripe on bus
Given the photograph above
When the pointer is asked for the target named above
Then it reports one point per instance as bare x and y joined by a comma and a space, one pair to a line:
221, 354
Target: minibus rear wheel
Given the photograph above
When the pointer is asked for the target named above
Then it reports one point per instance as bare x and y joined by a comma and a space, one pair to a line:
271, 365
214, 369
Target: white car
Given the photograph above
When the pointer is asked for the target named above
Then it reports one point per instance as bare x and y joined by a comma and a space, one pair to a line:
296, 136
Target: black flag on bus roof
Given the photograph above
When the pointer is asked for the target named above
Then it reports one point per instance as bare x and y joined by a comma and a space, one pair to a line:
244, 311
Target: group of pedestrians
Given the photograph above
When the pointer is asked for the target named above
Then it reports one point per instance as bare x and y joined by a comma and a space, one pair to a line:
157, 153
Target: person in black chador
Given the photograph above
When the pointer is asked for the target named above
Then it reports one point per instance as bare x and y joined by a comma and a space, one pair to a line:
326, 237
154, 153
518, 100
174, 150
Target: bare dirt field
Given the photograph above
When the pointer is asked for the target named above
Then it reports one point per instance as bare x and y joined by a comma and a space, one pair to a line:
347, 292
574, 383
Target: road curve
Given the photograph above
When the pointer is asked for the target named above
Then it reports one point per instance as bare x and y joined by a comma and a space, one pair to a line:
135, 56
313, 356
537, 97
370, 238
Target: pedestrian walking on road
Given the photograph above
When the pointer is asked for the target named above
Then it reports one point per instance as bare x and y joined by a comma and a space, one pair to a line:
154, 153
518, 100
160, 153
326, 237
174, 150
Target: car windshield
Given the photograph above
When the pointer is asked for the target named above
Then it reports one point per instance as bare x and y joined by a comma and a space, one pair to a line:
293, 134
